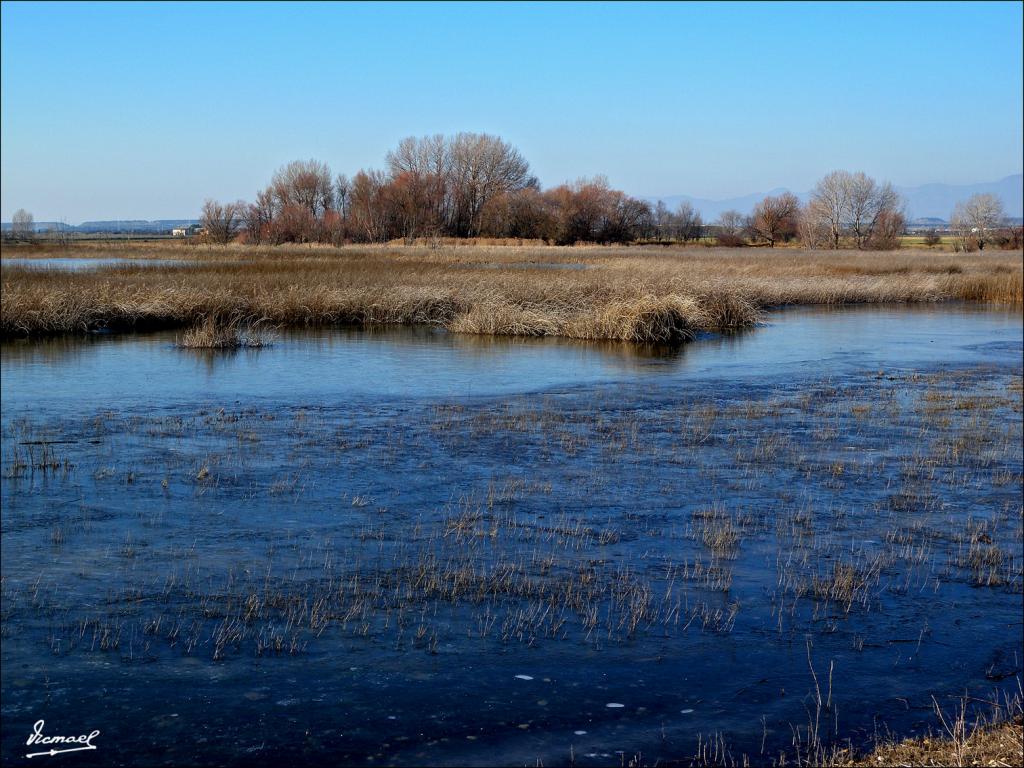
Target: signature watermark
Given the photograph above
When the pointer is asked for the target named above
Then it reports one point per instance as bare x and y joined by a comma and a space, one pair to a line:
58, 744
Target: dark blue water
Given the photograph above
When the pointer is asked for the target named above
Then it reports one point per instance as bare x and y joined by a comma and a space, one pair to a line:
329, 491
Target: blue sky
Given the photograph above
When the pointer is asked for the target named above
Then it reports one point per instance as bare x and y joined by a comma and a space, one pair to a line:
142, 111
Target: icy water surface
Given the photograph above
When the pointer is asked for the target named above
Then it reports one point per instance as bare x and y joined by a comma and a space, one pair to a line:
408, 547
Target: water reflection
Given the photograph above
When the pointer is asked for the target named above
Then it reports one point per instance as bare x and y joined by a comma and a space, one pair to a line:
321, 365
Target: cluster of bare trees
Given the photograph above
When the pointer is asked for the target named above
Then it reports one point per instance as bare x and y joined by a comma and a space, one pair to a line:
471, 185
445, 184
587, 211
466, 185
684, 224
852, 205
774, 220
843, 208
979, 221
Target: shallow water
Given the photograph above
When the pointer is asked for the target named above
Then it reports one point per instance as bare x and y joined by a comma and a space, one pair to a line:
153, 497
59, 264
571, 265
319, 366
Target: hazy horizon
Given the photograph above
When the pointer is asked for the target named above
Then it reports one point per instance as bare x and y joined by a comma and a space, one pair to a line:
143, 111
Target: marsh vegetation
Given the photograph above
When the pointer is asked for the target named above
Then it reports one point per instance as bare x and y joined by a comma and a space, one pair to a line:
216, 331
639, 294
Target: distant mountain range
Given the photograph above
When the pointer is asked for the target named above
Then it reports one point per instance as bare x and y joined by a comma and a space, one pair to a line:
928, 201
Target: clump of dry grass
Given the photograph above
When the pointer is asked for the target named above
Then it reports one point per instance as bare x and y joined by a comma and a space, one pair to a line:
999, 745
218, 332
997, 741
638, 294
645, 318
503, 318
993, 740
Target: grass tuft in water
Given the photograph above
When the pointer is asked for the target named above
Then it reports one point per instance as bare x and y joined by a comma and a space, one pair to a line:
217, 332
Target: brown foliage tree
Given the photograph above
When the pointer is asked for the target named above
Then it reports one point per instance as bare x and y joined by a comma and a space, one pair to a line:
775, 218
259, 217
370, 215
524, 213
460, 174
306, 184
886, 231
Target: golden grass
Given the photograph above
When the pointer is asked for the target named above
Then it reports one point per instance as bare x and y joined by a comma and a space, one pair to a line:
219, 332
639, 294
995, 745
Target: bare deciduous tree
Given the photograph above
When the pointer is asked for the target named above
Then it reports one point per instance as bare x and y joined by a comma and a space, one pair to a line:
430, 159
775, 218
828, 205
662, 220
342, 194
627, 217
459, 175
305, 184
813, 228
222, 221
854, 203
525, 213
408, 198
886, 231
867, 202
977, 219
259, 216
23, 225
369, 210
689, 222
482, 166
581, 209
731, 228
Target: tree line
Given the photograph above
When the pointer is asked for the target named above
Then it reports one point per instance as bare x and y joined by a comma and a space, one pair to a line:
467, 185
477, 185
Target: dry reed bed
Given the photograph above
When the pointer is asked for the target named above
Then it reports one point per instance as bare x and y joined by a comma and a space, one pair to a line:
995, 745
641, 294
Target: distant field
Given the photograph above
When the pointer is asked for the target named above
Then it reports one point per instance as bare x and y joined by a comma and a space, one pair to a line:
918, 241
